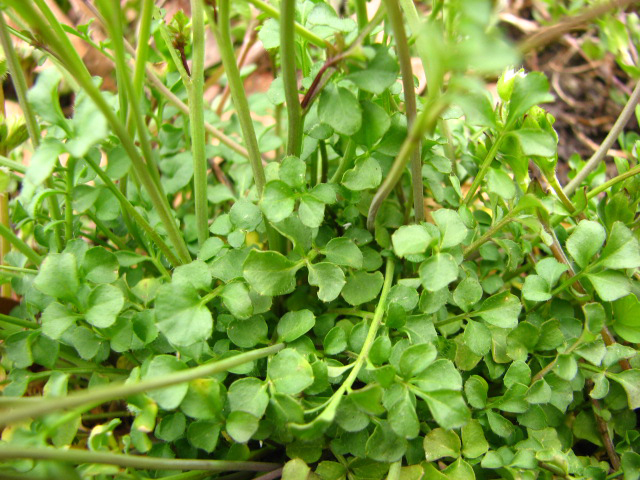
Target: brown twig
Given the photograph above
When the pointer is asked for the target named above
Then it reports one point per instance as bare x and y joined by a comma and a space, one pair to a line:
549, 33
604, 432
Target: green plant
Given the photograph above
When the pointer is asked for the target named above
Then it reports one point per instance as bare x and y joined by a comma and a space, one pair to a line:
298, 310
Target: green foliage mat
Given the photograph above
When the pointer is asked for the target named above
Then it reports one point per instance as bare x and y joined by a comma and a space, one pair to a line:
293, 307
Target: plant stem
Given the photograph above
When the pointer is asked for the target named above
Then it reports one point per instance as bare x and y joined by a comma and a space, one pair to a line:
51, 32
483, 170
5, 246
223, 36
425, 122
300, 30
329, 410
490, 233
608, 142
142, 52
18, 322
610, 183
553, 181
20, 85
404, 56
130, 461
20, 245
289, 78
196, 119
68, 201
136, 216
123, 390
12, 165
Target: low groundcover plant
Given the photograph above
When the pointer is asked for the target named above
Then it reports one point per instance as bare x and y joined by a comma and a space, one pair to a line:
350, 276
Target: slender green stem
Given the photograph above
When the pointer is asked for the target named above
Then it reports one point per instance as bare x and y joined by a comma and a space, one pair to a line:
18, 322
20, 85
12, 165
135, 215
426, 122
114, 391
345, 161
68, 201
107, 231
20, 245
300, 30
329, 410
610, 183
361, 16
402, 47
129, 461
196, 120
60, 45
490, 233
142, 52
28, 271
571, 280
324, 162
555, 184
225, 46
483, 170
608, 142
289, 77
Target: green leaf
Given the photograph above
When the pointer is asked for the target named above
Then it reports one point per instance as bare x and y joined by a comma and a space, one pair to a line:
440, 375
293, 325
168, 398
89, 124
290, 372
460, 470
250, 395
340, 109
342, 251
448, 408
403, 418
181, 317
417, 358
171, 427
440, 443
375, 123
311, 211
204, 434
278, 201
295, 469
100, 265
324, 15
270, 273
630, 465
500, 183
536, 289
43, 161
105, 302
329, 278
501, 310
43, 97
362, 287
245, 215
293, 172
241, 426
535, 142
467, 293
236, 298
364, 175
630, 381
530, 90
410, 240
474, 442
626, 318
452, 229
610, 285
248, 333
476, 389
58, 276
477, 337
204, 399
335, 341
551, 270
384, 445
56, 319
197, 274
380, 73
585, 242
622, 249
438, 271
